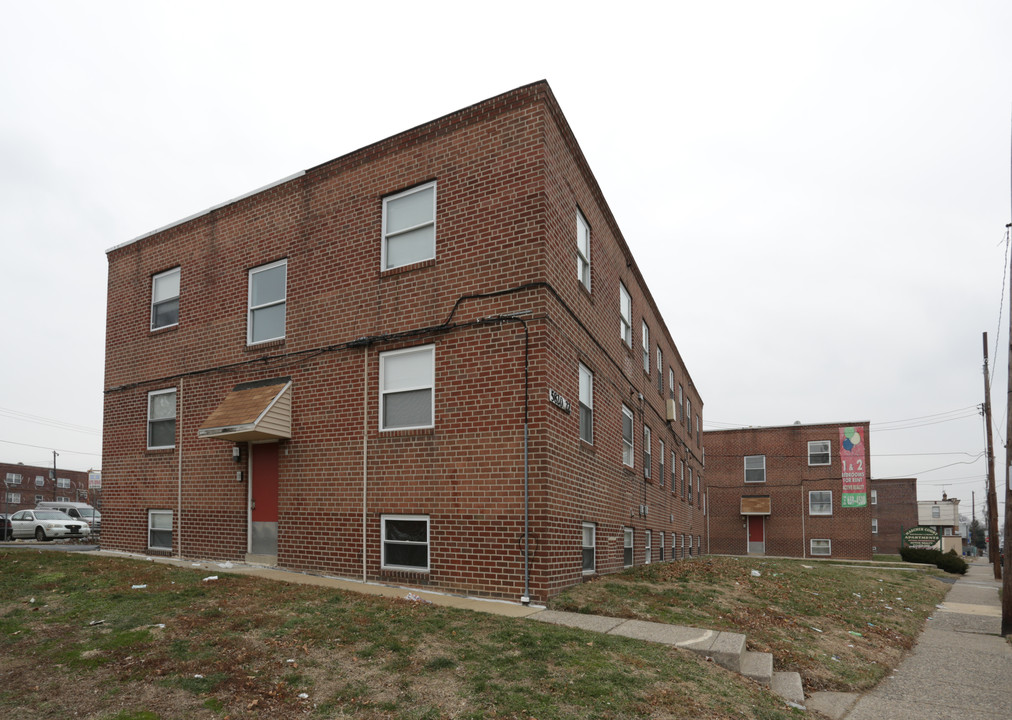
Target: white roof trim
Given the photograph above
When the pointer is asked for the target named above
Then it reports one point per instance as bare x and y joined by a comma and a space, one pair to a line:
209, 210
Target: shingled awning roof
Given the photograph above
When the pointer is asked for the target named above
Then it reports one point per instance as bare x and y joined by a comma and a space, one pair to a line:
259, 410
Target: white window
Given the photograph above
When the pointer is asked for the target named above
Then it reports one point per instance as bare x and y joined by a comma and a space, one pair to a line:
409, 226
818, 452
13, 478
660, 464
165, 299
159, 529
646, 347
646, 452
625, 315
674, 479
755, 468
162, 419
38, 499
660, 371
648, 548
874, 497
682, 470
627, 547
671, 383
582, 250
63, 483
586, 404
947, 531
405, 542
589, 547
821, 546
874, 525
627, 437
407, 388
267, 302
936, 512
820, 502
690, 485
62, 498
40, 481
14, 498
688, 416
674, 546
681, 401
688, 548
660, 547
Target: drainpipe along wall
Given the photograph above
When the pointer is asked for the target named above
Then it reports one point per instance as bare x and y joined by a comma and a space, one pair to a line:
179, 478
365, 450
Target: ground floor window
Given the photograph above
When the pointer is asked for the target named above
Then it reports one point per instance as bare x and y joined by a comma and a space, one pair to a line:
160, 529
688, 549
14, 498
660, 547
589, 546
874, 525
405, 542
674, 546
627, 547
648, 548
821, 547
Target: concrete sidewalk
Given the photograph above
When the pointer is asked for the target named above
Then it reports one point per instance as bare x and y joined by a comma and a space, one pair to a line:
960, 666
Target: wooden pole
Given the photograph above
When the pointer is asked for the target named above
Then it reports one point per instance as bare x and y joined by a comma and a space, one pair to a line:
992, 495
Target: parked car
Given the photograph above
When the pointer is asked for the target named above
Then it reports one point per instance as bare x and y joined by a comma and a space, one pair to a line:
78, 511
46, 525
5, 521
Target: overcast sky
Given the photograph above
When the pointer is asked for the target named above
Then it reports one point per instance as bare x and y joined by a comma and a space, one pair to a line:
816, 193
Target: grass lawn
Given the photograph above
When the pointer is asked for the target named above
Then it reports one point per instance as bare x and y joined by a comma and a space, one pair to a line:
842, 627
80, 640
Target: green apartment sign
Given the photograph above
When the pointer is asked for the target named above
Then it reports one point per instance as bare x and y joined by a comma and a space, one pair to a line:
920, 536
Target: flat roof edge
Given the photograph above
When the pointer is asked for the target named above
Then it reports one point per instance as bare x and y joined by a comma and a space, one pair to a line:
208, 211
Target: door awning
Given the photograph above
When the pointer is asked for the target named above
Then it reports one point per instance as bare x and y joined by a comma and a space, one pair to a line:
259, 410
755, 504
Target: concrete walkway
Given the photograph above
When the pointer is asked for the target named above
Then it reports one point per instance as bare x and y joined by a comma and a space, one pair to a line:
959, 668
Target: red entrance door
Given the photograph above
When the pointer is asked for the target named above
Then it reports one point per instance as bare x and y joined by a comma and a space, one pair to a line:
756, 534
264, 499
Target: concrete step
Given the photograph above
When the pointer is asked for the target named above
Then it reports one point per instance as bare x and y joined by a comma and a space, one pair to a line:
724, 648
758, 666
788, 686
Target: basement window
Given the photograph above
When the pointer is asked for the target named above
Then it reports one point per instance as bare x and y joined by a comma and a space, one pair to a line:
822, 546
405, 542
159, 530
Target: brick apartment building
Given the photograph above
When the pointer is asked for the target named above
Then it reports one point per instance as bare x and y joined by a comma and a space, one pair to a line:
432, 361
794, 491
893, 510
27, 485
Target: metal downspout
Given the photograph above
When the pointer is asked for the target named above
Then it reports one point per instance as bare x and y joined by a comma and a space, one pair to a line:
179, 476
365, 450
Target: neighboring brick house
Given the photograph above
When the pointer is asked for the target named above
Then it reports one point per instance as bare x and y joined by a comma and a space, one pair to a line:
784, 491
27, 485
893, 510
433, 361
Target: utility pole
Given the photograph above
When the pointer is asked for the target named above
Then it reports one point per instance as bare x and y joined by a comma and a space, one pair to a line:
992, 496
54, 474
1006, 594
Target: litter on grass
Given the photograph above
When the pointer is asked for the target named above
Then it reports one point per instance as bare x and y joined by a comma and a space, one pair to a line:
816, 629
756, 573
303, 696
210, 577
415, 598
856, 633
137, 587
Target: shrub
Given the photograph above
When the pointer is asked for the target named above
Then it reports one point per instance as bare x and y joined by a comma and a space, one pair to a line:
950, 562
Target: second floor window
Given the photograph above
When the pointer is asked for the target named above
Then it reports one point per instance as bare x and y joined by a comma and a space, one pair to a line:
625, 315
586, 404
582, 250
627, 437
646, 452
267, 302
755, 468
646, 348
162, 419
818, 452
407, 388
409, 226
165, 299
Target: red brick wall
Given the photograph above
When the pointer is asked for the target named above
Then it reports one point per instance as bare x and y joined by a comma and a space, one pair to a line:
789, 479
77, 492
509, 178
896, 511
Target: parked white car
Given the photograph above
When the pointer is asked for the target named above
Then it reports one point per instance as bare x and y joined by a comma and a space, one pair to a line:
46, 525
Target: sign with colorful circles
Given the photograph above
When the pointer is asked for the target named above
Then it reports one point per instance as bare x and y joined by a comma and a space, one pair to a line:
852, 456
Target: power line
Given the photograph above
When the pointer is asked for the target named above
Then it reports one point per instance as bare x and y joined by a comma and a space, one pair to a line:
52, 422
44, 447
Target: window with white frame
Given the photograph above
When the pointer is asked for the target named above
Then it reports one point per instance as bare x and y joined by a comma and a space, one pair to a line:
627, 547
162, 419
38, 499
627, 437
13, 478
405, 542
62, 498
40, 481
589, 547
14, 498
625, 315
674, 478
874, 497
671, 383
818, 452
409, 226
699, 545
947, 531
688, 415
874, 526
165, 299
660, 371
699, 426
821, 546
674, 546
660, 463
407, 388
690, 485
646, 347
646, 452
582, 250
267, 302
586, 404
682, 471
648, 547
681, 402
660, 547
755, 468
688, 548
63, 483
820, 502
936, 512
159, 529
